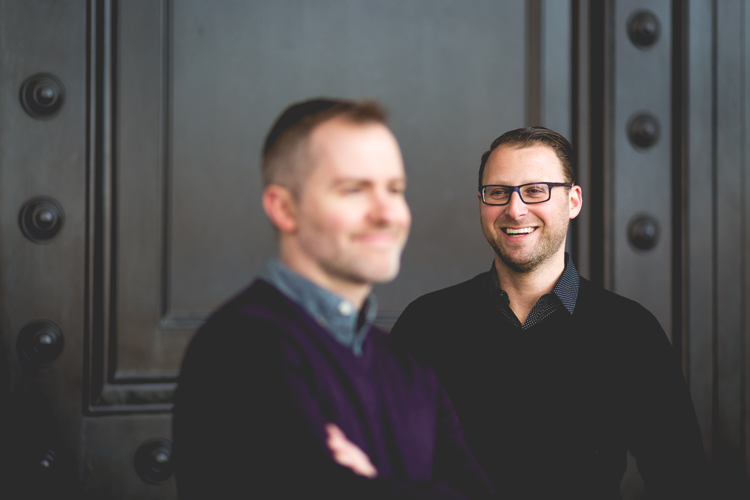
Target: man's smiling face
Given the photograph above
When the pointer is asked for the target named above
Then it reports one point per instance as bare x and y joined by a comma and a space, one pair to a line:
352, 218
526, 236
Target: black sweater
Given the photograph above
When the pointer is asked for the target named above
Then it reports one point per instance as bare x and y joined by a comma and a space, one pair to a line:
550, 412
261, 379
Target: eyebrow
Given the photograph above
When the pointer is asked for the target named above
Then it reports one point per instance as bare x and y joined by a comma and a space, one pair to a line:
364, 180
513, 185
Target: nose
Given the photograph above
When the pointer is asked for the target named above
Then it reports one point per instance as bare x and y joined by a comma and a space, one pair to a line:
515, 207
389, 208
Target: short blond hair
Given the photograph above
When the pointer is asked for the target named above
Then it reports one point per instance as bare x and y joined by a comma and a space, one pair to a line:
283, 160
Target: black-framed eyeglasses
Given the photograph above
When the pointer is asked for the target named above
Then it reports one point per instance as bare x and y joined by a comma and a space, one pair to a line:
535, 192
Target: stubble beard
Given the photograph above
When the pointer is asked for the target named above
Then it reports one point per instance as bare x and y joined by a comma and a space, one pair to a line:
547, 248
345, 263
358, 269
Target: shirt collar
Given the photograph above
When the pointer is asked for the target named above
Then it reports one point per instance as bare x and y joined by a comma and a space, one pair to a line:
566, 288
336, 315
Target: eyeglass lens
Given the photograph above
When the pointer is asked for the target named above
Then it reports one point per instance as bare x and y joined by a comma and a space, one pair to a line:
531, 193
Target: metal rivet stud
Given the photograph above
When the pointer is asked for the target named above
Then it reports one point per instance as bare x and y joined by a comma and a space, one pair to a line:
41, 218
643, 29
643, 232
153, 461
42, 95
40, 343
643, 131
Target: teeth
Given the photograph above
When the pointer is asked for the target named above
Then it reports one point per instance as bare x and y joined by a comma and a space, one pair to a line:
523, 230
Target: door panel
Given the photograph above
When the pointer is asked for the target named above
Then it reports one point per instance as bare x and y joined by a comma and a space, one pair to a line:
113, 464
717, 235
638, 174
194, 90
640, 181
236, 68
43, 156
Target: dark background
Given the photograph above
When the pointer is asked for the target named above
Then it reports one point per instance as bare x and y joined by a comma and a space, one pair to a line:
129, 151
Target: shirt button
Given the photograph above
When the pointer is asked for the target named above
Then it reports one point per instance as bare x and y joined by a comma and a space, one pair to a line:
345, 308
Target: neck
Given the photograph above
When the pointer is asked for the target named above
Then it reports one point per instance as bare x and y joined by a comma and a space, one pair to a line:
525, 289
354, 292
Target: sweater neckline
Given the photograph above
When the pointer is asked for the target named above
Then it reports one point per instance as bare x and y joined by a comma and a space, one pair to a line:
292, 316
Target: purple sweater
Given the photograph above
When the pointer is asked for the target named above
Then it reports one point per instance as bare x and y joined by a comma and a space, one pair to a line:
261, 379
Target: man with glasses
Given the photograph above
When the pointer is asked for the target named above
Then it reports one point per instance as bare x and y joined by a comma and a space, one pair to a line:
289, 390
553, 378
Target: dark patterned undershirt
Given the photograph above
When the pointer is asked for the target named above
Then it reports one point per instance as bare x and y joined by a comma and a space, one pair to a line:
564, 295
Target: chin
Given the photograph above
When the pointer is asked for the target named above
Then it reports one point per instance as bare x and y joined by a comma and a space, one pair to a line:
384, 277
520, 266
384, 273
517, 264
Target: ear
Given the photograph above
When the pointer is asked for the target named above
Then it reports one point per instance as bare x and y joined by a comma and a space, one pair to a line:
575, 201
281, 207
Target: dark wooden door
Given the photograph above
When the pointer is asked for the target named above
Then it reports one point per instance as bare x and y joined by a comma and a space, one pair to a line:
129, 182
129, 186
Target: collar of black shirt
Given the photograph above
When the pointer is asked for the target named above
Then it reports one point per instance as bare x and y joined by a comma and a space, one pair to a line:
564, 295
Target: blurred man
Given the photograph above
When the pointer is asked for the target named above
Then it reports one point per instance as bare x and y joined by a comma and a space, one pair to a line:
553, 378
289, 391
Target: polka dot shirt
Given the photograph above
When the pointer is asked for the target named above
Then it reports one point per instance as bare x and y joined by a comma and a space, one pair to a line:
564, 295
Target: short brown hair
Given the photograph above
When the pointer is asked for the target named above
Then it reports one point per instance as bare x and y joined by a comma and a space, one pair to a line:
535, 136
280, 160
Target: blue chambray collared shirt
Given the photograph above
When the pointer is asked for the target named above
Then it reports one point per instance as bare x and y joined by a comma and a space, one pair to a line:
338, 316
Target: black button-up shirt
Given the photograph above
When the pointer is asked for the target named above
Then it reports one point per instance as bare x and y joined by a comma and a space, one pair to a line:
564, 295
